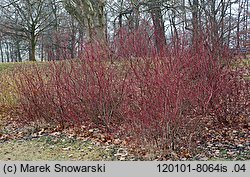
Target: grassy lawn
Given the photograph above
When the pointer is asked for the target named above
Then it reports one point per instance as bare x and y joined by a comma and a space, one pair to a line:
246, 65
7, 66
51, 148
7, 88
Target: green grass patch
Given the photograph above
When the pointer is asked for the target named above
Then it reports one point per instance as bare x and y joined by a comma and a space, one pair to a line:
8, 97
246, 62
51, 148
7, 66
11, 66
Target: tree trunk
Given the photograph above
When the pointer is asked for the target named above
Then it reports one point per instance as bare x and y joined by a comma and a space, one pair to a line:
229, 25
136, 13
90, 28
238, 26
246, 16
159, 31
100, 27
184, 16
13, 56
33, 48
19, 57
42, 49
95, 21
1, 50
137, 17
195, 22
173, 23
214, 27
223, 14
7, 52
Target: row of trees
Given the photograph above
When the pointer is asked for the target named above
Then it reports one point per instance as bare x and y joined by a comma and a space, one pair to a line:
58, 29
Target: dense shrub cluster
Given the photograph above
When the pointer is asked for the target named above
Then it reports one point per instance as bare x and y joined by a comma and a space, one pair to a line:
157, 99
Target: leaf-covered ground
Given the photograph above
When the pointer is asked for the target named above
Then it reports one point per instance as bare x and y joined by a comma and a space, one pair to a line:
54, 143
44, 143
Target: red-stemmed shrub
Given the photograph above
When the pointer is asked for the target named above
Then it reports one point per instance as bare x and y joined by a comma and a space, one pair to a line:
131, 90
73, 92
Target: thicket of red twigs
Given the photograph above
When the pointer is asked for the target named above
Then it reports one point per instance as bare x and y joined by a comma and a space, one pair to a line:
131, 89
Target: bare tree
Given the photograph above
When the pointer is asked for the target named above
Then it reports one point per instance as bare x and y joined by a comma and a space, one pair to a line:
28, 19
